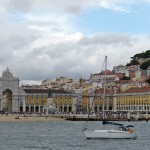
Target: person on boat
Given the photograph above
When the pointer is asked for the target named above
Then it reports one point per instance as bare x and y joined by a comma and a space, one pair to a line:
130, 130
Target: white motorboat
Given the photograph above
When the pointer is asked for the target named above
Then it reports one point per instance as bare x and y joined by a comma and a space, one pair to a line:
120, 132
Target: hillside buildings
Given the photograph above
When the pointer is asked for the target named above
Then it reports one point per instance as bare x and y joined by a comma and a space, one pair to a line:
66, 95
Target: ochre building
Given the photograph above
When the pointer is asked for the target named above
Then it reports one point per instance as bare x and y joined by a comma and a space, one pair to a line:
15, 98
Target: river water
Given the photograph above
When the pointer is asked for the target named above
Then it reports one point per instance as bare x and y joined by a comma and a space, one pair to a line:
66, 135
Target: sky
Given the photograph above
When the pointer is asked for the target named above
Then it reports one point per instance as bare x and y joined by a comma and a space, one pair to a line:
48, 39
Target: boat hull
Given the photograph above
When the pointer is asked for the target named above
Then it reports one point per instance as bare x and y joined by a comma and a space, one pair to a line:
109, 134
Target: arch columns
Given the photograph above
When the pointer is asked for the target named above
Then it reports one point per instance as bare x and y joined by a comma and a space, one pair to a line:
24, 106
39, 109
34, 108
15, 104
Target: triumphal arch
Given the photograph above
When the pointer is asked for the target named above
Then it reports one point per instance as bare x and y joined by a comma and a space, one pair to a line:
20, 99
9, 92
29, 99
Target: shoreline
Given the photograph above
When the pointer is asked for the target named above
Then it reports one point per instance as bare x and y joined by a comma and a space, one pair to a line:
74, 118
28, 118
16, 118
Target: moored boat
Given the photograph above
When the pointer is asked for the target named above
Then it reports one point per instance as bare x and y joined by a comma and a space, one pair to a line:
119, 132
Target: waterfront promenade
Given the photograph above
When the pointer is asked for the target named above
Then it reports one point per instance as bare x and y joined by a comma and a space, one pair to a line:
112, 117
30, 118
72, 117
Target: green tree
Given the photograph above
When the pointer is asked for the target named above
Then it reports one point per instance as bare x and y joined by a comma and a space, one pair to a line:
133, 62
148, 81
125, 78
145, 65
137, 56
147, 54
142, 55
128, 64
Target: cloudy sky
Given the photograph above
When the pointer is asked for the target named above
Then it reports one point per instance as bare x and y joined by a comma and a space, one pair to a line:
43, 39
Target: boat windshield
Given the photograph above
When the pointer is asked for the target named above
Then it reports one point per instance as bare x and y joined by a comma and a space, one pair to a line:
129, 126
112, 123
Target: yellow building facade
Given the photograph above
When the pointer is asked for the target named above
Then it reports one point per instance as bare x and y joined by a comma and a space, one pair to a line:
134, 99
68, 103
63, 103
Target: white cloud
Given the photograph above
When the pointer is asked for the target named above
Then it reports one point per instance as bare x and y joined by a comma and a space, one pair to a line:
74, 59
38, 39
125, 6
67, 6
57, 6
19, 5
117, 5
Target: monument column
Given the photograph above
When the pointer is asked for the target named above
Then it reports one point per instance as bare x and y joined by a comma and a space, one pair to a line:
13, 103
39, 109
24, 107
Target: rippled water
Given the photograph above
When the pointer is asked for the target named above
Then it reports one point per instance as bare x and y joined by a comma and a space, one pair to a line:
66, 136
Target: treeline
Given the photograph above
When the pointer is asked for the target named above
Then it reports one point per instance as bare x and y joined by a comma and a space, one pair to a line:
135, 61
142, 55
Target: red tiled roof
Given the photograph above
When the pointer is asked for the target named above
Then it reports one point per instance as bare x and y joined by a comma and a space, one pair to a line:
119, 75
44, 91
124, 81
138, 90
101, 91
107, 72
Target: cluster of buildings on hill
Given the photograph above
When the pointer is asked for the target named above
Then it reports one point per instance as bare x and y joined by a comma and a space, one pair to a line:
137, 78
66, 95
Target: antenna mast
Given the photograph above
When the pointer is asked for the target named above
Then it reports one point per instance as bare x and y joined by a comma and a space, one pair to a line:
104, 102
